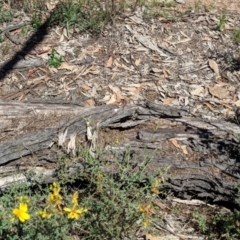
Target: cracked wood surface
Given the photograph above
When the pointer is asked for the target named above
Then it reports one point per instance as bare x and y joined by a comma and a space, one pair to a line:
209, 169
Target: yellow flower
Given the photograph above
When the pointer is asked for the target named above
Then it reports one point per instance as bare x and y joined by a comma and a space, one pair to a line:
146, 209
75, 199
11, 219
75, 213
55, 197
55, 200
55, 186
21, 212
44, 214
145, 222
155, 187
23, 199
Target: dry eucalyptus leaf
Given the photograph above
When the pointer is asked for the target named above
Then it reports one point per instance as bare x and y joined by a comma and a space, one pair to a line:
66, 66
206, 38
210, 106
113, 99
184, 149
165, 73
168, 101
89, 103
137, 62
156, 70
214, 66
139, 89
151, 237
109, 62
219, 92
130, 89
85, 86
197, 91
237, 103
106, 97
175, 142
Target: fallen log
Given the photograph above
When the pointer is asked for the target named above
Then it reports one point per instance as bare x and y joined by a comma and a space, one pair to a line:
202, 156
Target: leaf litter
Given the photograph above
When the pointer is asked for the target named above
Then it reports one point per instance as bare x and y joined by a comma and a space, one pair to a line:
185, 63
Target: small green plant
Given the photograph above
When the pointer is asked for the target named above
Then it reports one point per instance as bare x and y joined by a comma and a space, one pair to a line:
209, 7
201, 221
5, 15
52, 214
25, 30
1, 38
221, 24
226, 226
55, 59
236, 35
163, 9
107, 199
169, 4
90, 17
5, 48
36, 20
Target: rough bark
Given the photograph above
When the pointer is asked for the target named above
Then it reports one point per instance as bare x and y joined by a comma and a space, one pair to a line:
208, 168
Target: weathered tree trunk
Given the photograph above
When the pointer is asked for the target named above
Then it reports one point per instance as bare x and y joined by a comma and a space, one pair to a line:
203, 157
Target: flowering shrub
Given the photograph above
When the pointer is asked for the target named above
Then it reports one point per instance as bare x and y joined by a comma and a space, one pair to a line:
111, 206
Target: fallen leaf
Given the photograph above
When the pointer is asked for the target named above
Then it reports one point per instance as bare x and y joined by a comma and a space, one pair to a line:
225, 105
165, 73
197, 91
227, 27
112, 99
151, 237
93, 49
89, 103
123, 66
138, 90
129, 89
51, 5
66, 66
85, 87
45, 49
168, 101
165, 44
161, 19
91, 69
106, 98
184, 149
214, 66
156, 70
210, 106
138, 61
96, 49
109, 62
237, 103
21, 97
62, 38
205, 39
219, 92
175, 142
